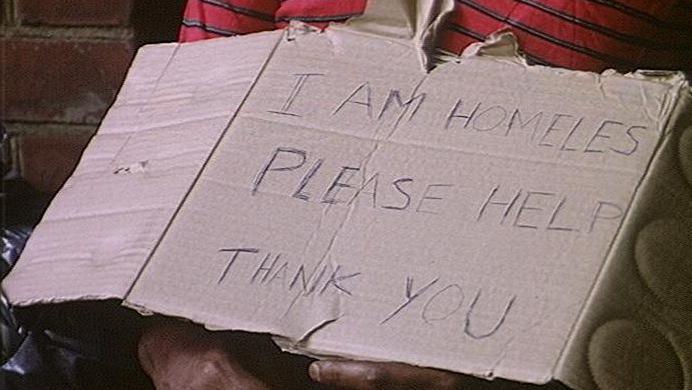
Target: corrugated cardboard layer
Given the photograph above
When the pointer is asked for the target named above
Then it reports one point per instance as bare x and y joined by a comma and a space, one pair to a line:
360, 207
104, 223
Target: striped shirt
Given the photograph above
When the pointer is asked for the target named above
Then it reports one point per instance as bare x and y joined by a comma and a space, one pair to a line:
578, 34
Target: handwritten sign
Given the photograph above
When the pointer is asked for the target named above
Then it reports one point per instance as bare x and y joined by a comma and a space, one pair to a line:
485, 217
357, 206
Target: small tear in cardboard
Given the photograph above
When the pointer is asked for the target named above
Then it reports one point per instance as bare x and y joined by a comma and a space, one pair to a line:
499, 45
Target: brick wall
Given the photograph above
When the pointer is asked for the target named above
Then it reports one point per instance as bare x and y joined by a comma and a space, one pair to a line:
61, 64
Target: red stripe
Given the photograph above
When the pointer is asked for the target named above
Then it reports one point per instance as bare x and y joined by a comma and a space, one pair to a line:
654, 8
622, 31
315, 12
590, 12
454, 41
670, 53
268, 7
578, 35
225, 19
188, 34
319, 8
672, 49
532, 45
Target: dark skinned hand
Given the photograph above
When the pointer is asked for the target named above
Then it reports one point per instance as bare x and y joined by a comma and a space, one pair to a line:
347, 374
371, 375
180, 356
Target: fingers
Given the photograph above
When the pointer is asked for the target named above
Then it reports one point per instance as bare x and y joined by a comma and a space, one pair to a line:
166, 343
369, 375
180, 356
397, 376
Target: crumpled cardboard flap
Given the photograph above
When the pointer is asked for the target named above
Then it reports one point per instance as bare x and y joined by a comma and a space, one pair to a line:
333, 193
414, 22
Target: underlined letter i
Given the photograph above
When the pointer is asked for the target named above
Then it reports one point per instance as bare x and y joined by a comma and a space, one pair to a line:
297, 88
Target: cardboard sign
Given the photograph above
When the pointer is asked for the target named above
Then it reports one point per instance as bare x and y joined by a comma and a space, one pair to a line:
322, 187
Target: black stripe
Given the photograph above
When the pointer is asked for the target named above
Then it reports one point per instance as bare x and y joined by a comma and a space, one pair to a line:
465, 31
532, 59
539, 61
315, 19
240, 10
547, 37
631, 39
628, 10
639, 14
211, 29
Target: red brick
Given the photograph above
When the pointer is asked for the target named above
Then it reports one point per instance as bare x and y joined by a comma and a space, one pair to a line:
61, 81
74, 12
46, 161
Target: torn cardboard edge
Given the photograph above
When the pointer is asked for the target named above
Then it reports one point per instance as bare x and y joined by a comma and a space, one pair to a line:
676, 83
